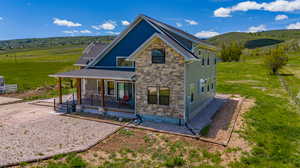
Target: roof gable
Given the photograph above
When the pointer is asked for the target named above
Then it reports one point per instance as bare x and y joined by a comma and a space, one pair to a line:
179, 38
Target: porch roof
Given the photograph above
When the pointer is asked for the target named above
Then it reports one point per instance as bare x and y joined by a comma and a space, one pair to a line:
96, 74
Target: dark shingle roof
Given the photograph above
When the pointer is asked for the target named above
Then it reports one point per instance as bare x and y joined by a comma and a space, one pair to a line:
181, 33
90, 53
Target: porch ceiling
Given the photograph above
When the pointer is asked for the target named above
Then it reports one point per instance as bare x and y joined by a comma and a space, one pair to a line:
96, 74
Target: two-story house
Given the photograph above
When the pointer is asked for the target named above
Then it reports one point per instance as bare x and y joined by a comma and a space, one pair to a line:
151, 69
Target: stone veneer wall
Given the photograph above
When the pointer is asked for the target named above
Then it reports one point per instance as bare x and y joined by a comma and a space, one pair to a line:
170, 74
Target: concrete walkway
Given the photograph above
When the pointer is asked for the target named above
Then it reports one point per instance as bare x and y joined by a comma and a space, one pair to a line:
30, 132
202, 119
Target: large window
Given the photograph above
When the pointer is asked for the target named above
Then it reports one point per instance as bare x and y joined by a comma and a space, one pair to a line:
110, 88
164, 96
158, 56
159, 95
123, 62
152, 95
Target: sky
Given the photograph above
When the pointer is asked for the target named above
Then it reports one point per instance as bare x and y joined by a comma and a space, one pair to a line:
203, 18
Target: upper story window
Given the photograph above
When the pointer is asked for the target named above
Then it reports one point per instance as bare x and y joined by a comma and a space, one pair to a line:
199, 52
201, 86
123, 62
158, 56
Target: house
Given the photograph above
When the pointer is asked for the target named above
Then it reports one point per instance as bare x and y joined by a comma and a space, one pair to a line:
151, 69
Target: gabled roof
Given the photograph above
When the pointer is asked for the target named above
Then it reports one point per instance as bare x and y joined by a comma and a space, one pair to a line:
163, 29
187, 55
177, 31
90, 53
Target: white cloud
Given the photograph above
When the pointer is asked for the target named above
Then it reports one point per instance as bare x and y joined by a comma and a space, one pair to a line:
108, 25
113, 33
70, 31
294, 26
85, 32
77, 32
125, 23
281, 17
274, 6
62, 22
191, 22
206, 34
178, 24
259, 28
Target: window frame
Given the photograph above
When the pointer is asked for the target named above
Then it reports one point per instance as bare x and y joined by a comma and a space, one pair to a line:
119, 66
164, 55
106, 88
158, 95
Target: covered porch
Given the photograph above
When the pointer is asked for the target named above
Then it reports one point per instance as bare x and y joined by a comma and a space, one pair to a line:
101, 90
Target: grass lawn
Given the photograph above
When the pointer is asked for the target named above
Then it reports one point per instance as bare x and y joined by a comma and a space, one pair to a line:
272, 129
30, 68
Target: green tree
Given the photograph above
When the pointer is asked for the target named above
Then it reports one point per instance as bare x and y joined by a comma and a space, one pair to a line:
275, 59
231, 52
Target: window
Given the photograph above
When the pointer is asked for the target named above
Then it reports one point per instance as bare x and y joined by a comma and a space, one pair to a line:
199, 52
201, 86
110, 88
212, 85
208, 88
159, 95
215, 60
158, 56
192, 92
207, 60
123, 62
152, 95
203, 61
164, 96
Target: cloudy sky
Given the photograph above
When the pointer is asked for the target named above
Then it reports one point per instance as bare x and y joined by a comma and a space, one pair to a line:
203, 18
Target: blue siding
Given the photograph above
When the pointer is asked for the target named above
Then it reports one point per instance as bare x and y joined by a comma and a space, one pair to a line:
136, 37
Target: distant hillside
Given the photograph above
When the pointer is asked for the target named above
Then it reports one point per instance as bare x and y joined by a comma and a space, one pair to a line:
51, 42
254, 40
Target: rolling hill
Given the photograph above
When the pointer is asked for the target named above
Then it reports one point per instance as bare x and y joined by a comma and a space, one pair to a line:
51, 42
255, 40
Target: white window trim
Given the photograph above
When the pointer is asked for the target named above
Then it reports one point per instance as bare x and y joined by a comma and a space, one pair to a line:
117, 57
106, 88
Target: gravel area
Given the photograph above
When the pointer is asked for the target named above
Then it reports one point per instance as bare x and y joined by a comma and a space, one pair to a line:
30, 132
5, 100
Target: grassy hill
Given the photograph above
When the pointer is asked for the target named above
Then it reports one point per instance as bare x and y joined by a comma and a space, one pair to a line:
51, 42
255, 40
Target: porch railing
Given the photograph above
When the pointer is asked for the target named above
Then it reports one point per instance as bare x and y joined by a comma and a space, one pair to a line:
109, 102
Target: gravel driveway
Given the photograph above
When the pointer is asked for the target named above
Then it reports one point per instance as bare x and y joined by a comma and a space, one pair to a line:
32, 132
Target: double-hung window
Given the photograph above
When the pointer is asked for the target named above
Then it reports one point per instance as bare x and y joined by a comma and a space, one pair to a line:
159, 95
158, 56
201, 86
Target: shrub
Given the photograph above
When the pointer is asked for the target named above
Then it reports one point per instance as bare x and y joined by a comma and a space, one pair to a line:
173, 162
231, 52
275, 59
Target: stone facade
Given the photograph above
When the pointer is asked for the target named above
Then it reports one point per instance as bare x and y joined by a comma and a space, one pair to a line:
170, 74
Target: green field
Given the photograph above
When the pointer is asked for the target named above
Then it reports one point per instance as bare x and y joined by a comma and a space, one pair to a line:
272, 125
30, 68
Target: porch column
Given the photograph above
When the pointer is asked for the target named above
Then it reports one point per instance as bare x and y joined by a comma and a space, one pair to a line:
78, 82
59, 90
102, 92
